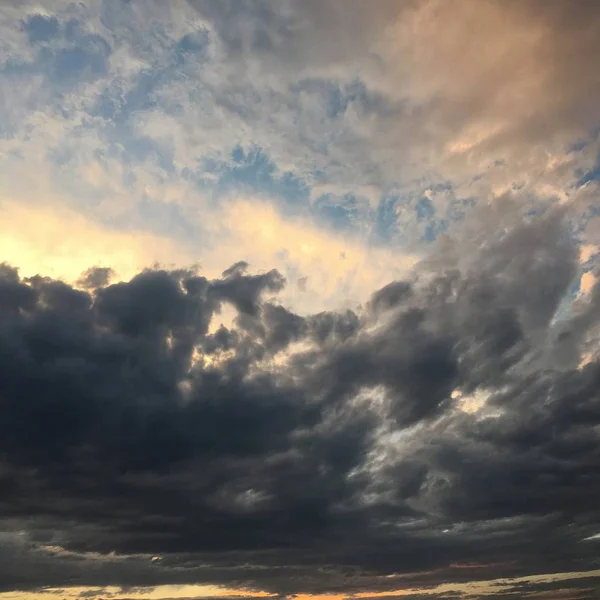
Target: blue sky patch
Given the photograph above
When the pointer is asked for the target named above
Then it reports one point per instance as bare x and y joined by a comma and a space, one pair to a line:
252, 169
40, 28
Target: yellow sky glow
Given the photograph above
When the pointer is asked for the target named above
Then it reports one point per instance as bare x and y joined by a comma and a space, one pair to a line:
469, 589
63, 244
117, 593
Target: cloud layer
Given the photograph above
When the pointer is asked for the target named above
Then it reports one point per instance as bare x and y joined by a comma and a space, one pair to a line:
446, 424
299, 298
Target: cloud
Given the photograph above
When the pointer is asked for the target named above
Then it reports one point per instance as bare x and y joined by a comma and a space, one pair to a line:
299, 298
350, 116
130, 426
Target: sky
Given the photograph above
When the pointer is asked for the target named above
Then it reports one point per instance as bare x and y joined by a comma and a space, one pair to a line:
299, 299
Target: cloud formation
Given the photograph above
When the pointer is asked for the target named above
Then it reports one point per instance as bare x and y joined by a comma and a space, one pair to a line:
386, 123
241, 454
299, 299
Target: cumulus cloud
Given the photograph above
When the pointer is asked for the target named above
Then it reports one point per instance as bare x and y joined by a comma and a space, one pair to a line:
287, 442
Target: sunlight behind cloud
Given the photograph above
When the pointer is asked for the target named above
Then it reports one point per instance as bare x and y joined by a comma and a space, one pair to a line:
339, 270
63, 244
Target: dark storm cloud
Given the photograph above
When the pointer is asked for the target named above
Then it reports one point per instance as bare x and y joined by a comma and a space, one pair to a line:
130, 425
244, 291
95, 277
390, 296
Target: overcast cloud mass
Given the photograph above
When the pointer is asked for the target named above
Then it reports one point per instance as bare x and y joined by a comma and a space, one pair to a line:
299, 299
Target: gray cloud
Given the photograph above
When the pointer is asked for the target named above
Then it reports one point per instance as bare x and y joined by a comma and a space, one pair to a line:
130, 425
452, 420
